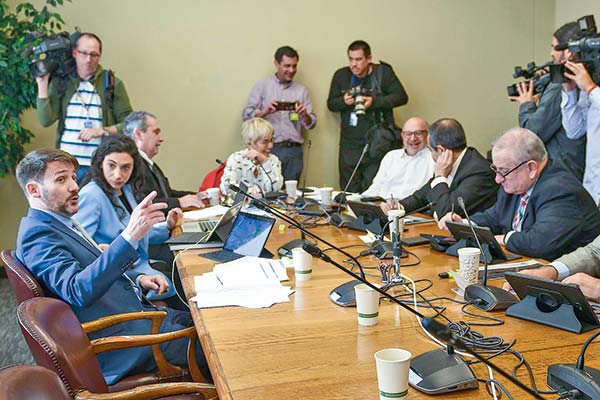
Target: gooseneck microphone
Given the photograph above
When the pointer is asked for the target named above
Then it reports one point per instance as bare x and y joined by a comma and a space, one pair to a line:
431, 325
272, 194
484, 297
220, 162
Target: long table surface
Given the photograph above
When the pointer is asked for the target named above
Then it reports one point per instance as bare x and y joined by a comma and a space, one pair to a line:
310, 348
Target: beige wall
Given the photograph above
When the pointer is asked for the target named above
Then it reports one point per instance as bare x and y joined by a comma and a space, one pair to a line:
194, 62
570, 10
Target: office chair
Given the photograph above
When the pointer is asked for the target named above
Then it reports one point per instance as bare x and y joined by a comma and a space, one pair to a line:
31, 382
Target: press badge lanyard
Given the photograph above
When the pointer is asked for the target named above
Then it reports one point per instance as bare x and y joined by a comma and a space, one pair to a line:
87, 123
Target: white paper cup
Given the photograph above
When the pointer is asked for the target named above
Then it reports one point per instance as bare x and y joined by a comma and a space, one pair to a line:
302, 264
468, 261
213, 196
326, 193
392, 373
291, 188
367, 305
392, 217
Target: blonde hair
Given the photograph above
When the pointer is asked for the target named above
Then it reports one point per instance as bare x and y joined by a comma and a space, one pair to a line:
256, 129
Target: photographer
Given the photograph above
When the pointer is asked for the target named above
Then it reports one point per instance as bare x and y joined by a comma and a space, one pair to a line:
580, 108
385, 93
88, 105
287, 106
544, 117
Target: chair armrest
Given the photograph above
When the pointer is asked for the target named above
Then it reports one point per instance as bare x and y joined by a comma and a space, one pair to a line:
155, 316
153, 391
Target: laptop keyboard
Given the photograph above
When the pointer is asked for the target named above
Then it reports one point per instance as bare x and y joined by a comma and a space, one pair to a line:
199, 226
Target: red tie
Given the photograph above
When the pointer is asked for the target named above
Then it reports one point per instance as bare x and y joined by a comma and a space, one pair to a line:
520, 212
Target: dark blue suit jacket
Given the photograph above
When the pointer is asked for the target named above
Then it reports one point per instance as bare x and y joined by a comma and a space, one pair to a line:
90, 281
560, 216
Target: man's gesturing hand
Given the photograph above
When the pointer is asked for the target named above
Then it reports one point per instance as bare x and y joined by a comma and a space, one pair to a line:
144, 216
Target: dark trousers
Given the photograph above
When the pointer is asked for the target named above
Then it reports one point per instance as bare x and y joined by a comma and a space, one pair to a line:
348, 158
291, 160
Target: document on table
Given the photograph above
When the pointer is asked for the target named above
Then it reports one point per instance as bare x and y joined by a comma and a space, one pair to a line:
205, 213
250, 282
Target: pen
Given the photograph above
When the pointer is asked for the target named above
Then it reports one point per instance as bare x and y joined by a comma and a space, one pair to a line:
393, 201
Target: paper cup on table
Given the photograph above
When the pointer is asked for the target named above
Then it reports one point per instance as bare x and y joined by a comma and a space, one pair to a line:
367, 305
468, 261
392, 215
214, 196
291, 188
392, 373
326, 195
302, 264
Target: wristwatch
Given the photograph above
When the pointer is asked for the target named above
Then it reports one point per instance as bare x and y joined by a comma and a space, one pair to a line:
105, 132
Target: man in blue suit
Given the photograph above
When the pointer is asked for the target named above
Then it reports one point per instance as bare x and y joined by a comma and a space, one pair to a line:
72, 268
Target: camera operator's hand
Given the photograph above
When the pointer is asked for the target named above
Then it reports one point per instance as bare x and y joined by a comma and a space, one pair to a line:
368, 102
87, 134
525, 93
270, 109
42, 86
301, 110
348, 99
580, 76
443, 164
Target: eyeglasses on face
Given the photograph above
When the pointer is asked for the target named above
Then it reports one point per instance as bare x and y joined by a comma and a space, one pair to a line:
92, 55
418, 133
499, 171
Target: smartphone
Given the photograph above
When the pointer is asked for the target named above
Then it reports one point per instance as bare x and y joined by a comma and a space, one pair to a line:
285, 105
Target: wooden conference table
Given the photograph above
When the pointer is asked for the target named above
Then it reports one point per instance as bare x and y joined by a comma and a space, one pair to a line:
311, 348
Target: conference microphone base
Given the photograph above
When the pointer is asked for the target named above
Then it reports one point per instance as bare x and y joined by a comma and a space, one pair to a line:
343, 295
438, 372
286, 249
489, 298
566, 377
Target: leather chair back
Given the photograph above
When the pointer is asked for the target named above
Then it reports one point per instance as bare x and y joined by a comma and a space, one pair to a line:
58, 342
22, 282
31, 382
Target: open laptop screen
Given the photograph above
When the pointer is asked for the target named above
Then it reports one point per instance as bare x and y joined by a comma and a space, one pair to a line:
249, 234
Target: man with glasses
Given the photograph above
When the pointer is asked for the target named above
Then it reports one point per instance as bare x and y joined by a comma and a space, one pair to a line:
90, 104
460, 171
403, 171
541, 210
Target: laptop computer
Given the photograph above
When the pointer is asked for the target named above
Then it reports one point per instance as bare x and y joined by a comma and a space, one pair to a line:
217, 234
247, 237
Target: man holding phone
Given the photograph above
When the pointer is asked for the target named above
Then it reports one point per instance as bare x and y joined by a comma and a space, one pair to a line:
287, 106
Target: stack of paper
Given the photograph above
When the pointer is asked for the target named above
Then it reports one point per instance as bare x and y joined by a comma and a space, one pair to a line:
205, 213
250, 282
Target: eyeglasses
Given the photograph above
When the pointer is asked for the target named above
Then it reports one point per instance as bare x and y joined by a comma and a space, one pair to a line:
505, 174
92, 55
419, 133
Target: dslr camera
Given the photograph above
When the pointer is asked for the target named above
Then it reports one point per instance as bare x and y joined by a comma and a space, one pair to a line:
539, 76
51, 54
358, 92
585, 50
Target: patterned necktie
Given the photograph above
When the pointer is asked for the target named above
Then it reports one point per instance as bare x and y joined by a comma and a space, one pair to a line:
518, 219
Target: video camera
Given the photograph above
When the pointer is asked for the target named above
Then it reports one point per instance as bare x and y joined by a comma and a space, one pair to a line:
586, 51
358, 92
538, 75
52, 54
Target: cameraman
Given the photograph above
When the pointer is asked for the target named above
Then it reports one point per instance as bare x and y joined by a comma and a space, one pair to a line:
580, 108
387, 93
544, 118
90, 104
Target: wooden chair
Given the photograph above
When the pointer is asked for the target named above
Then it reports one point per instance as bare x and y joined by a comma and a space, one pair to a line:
59, 342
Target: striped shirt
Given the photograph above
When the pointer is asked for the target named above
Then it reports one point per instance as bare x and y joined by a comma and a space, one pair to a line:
84, 111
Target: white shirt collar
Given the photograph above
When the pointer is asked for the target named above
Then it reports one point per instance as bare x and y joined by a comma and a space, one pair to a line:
145, 157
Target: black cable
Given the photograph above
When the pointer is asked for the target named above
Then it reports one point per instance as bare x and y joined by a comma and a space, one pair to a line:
488, 387
497, 321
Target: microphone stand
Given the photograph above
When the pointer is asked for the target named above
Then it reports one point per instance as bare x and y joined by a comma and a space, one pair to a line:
484, 297
337, 219
301, 201
431, 325
272, 194
343, 295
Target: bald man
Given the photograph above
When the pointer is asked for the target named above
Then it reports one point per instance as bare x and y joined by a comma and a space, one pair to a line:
541, 209
405, 170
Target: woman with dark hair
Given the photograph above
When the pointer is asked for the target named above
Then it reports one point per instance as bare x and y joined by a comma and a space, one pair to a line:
106, 201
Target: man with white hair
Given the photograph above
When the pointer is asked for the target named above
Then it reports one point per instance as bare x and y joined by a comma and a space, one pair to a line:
541, 209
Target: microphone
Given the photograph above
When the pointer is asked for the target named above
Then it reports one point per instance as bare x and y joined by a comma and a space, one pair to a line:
272, 194
484, 297
431, 366
220, 162
301, 201
583, 382
337, 219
